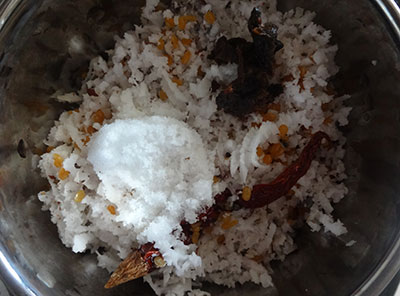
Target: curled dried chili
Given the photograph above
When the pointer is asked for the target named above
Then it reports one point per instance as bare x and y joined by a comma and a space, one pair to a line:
263, 194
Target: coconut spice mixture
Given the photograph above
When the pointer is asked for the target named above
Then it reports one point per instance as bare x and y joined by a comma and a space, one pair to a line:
200, 145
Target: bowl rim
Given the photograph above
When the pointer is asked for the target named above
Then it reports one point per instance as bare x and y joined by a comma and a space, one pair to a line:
373, 285
389, 265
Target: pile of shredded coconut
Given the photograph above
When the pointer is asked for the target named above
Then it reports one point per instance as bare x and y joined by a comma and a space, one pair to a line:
148, 148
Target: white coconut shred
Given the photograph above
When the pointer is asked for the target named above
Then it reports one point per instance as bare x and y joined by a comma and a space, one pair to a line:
148, 147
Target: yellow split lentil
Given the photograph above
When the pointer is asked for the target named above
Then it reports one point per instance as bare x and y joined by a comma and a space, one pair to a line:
209, 17
283, 130
186, 42
161, 44
260, 151
91, 130
183, 20
98, 116
195, 237
79, 196
163, 96
186, 57
276, 150
111, 209
58, 160
267, 159
86, 140
196, 233
246, 194
270, 116
177, 81
170, 22
170, 59
228, 222
174, 41
63, 174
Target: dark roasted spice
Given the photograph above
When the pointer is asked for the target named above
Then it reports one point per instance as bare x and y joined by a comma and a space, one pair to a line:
251, 91
265, 40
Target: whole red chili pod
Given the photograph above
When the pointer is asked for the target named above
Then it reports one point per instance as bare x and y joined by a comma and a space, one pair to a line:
264, 194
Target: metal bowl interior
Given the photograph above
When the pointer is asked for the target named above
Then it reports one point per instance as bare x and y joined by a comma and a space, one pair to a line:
35, 62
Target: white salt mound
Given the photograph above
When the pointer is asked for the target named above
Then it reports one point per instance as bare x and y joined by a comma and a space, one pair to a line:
156, 172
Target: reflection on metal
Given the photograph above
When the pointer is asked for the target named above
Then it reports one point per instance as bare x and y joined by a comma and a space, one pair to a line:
7, 8
383, 274
11, 275
391, 11
3, 289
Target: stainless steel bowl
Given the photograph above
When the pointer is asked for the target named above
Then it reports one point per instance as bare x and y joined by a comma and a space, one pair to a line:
35, 60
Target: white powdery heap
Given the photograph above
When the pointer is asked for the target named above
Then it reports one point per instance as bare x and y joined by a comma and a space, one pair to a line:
156, 172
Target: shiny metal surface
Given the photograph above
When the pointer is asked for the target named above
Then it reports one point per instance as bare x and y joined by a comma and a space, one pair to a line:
35, 60
390, 9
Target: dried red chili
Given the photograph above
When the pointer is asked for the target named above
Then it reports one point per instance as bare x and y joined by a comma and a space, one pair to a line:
148, 253
263, 194
138, 264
